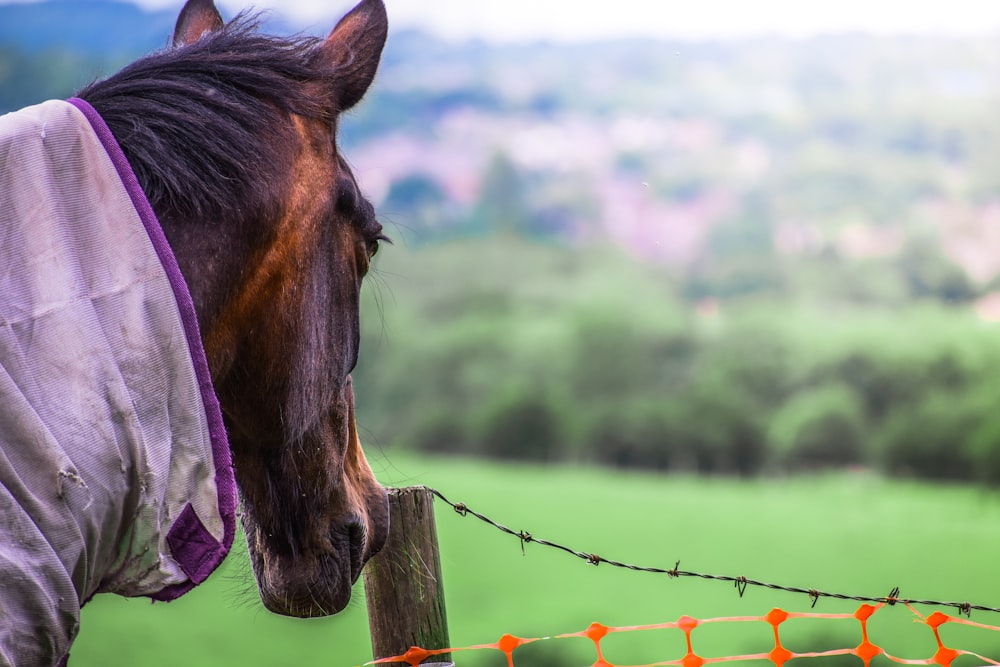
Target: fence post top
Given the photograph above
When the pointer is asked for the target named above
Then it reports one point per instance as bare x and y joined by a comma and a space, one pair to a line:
409, 490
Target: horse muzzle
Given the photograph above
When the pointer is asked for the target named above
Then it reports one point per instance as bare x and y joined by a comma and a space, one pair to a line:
308, 585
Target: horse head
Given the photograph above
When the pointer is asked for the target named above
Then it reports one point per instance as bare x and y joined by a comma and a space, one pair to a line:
234, 142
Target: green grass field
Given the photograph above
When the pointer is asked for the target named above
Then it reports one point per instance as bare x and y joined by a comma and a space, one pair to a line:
851, 533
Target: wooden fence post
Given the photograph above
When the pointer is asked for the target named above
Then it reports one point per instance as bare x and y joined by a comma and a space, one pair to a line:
403, 583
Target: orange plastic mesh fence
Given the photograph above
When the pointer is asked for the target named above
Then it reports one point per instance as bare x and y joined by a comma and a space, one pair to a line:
779, 655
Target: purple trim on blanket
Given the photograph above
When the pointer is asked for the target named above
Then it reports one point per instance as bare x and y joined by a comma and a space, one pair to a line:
192, 545
200, 557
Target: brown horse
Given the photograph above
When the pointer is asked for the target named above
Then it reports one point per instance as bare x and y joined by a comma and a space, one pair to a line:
232, 136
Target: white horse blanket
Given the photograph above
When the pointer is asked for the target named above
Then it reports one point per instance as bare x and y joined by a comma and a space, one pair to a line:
115, 472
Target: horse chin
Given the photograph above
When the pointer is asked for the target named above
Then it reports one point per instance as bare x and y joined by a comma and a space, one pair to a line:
303, 592
300, 586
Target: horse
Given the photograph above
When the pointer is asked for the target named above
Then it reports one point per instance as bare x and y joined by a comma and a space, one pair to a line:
231, 137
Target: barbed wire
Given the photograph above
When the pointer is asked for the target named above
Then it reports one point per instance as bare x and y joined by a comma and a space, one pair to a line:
740, 582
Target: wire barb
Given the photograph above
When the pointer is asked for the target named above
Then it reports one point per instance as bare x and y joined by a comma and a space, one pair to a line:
525, 538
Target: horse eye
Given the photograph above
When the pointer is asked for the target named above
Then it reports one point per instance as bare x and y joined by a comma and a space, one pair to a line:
375, 242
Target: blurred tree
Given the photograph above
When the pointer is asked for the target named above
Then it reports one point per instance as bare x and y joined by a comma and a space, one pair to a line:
819, 427
931, 439
883, 383
502, 205
414, 192
522, 425
739, 257
421, 206
984, 448
29, 79
930, 275
639, 433
748, 234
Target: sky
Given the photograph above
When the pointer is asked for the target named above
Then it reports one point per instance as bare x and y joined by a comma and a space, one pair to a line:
582, 19
572, 20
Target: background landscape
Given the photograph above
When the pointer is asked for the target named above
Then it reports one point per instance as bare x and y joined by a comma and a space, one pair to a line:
732, 302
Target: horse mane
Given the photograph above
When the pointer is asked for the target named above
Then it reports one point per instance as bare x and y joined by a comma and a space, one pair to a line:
193, 121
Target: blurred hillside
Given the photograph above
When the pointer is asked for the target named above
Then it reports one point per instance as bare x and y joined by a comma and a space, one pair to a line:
743, 256
844, 148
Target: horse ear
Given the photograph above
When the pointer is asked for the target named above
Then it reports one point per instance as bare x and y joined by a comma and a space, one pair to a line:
197, 19
354, 48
